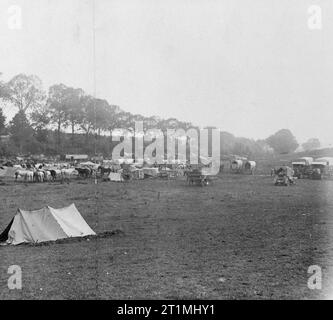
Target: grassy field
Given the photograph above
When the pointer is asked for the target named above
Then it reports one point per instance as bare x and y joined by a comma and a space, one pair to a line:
239, 238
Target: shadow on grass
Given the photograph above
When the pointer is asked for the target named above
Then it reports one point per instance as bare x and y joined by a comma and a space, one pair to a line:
102, 235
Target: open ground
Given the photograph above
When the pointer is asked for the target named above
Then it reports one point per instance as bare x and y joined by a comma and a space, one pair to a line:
240, 237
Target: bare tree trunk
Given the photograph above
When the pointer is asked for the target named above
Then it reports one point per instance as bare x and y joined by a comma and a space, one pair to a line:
73, 133
59, 127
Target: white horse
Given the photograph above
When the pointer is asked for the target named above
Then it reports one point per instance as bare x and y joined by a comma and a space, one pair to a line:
68, 173
40, 176
29, 176
47, 175
25, 174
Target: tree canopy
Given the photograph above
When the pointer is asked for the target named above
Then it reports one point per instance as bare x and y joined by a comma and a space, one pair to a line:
24, 92
65, 119
2, 122
311, 144
282, 141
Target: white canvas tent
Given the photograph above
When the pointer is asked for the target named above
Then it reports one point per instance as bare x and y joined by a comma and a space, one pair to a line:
46, 224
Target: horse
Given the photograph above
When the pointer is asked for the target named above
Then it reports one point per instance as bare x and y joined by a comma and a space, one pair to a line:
102, 170
66, 174
54, 174
84, 172
47, 175
27, 175
19, 173
38, 176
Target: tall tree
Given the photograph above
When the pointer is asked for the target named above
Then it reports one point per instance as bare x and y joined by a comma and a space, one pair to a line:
2, 122
152, 122
58, 106
124, 120
25, 92
311, 144
113, 119
87, 115
40, 120
3, 89
102, 115
21, 131
282, 141
74, 108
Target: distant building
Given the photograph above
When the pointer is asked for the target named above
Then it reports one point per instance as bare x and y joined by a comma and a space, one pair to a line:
73, 157
97, 158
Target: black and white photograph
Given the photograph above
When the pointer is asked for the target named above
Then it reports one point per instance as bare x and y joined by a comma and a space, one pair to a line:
166, 150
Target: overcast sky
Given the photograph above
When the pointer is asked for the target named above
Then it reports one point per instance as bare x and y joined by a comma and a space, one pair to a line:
249, 67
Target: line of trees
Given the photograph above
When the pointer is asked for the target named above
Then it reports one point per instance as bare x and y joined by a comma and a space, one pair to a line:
64, 119
68, 120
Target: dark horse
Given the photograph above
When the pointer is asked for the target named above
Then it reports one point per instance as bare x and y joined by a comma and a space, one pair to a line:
102, 170
53, 175
84, 172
